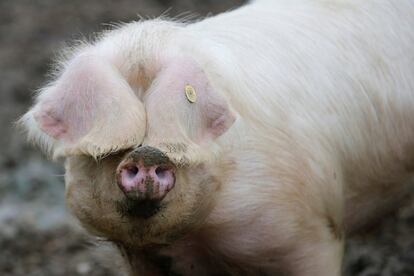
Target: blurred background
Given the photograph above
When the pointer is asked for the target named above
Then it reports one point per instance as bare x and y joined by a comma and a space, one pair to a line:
37, 235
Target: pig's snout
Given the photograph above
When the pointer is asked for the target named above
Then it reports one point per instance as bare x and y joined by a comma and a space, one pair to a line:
145, 182
146, 174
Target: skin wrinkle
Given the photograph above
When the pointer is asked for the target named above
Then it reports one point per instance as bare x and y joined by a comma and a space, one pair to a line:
176, 148
149, 155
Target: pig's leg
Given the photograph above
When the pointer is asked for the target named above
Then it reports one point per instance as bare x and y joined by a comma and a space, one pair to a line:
319, 243
170, 260
316, 246
142, 262
190, 258
323, 258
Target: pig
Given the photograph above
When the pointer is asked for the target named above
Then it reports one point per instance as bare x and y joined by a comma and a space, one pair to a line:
253, 142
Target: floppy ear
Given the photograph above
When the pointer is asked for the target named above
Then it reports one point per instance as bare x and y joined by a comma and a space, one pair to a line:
183, 99
90, 109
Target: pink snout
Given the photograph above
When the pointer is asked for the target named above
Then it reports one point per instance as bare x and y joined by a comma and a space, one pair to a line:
146, 174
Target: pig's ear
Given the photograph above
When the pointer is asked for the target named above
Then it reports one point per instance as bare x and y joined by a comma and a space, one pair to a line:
198, 106
90, 109
215, 114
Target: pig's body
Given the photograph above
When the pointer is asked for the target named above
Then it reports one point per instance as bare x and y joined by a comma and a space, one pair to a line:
330, 80
319, 143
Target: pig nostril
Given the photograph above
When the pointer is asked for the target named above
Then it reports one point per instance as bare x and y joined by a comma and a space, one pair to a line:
132, 171
161, 172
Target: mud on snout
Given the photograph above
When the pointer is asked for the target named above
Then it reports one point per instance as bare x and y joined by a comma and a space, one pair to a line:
145, 176
137, 197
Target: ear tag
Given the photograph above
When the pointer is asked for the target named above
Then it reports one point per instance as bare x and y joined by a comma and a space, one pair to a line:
190, 93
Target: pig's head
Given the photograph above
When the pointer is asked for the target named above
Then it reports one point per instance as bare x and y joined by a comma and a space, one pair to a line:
141, 168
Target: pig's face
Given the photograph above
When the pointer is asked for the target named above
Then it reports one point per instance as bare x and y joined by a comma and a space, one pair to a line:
94, 196
160, 168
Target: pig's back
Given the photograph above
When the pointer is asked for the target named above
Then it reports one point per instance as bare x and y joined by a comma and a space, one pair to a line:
334, 73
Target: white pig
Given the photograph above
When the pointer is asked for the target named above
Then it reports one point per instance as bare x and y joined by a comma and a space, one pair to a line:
248, 143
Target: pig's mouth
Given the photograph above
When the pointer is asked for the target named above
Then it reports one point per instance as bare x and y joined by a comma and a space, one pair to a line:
138, 208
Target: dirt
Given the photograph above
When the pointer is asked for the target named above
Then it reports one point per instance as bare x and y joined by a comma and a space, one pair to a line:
37, 235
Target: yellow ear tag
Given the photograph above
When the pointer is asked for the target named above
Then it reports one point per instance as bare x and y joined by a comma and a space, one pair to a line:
190, 93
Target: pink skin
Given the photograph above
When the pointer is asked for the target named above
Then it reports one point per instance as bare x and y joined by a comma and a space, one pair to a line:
50, 123
202, 121
135, 177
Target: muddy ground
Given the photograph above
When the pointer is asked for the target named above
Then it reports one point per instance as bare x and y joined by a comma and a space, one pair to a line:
37, 236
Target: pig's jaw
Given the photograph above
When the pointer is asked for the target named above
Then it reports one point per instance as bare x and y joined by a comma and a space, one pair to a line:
138, 209
182, 212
